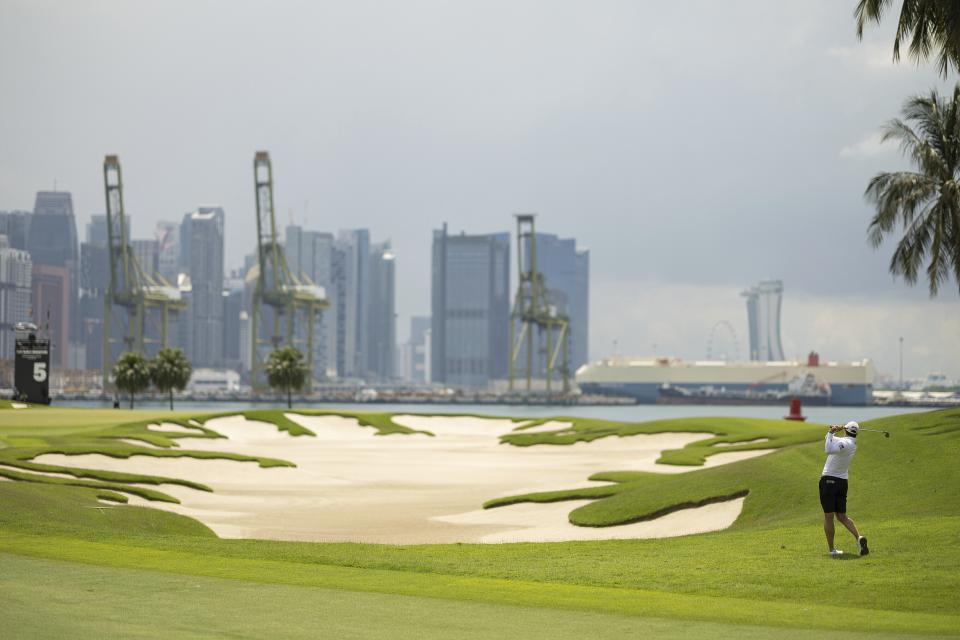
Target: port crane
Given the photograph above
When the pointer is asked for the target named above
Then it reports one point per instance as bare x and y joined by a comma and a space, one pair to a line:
133, 295
276, 289
533, 314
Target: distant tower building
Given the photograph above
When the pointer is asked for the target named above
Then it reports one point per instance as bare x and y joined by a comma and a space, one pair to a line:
51, 310
352, 301
763, 314
15, 293
417, 351
233, 294
52, 242
147, 255
470, 308
97, 230
167, 235
94, 279
566, 270
310, 256
202, 257
381, 315
16, 226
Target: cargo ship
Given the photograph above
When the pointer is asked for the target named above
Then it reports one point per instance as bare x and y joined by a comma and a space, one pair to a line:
664, 380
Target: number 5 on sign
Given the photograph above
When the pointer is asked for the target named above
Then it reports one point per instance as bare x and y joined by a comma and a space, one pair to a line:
39, 371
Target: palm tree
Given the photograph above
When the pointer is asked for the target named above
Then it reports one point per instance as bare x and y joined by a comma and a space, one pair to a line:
925, 202
170, 371
933, 27
286, 370
131, 373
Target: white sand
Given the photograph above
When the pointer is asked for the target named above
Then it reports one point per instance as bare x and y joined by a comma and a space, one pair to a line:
351, 484
550, 522
551, 425
139, 443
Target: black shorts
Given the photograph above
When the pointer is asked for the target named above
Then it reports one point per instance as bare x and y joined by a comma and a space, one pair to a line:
833, 494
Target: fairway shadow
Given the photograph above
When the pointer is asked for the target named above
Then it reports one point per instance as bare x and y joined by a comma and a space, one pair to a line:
846, 556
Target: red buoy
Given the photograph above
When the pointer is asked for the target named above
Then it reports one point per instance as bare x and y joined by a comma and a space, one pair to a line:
795, 413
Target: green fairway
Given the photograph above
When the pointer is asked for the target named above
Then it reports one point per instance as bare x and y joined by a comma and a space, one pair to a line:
46, 599
766, 576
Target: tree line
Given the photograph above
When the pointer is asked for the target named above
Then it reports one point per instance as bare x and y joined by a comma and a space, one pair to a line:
170, 371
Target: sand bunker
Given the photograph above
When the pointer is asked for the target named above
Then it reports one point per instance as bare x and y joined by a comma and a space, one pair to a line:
550, 522
351, 484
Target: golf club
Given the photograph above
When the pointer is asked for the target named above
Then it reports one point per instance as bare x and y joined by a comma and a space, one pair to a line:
885, 433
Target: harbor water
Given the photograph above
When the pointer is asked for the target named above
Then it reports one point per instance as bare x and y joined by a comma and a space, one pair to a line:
625, 413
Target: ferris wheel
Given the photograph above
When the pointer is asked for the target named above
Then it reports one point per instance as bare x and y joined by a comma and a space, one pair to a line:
731, 341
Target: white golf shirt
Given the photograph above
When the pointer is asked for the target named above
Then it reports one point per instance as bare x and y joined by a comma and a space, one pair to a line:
840, 452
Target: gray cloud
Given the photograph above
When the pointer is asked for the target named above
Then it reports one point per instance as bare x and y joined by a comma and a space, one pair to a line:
687, 144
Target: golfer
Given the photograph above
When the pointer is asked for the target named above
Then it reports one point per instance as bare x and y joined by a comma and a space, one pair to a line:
833, 483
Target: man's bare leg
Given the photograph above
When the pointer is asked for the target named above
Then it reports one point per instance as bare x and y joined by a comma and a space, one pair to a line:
848, 523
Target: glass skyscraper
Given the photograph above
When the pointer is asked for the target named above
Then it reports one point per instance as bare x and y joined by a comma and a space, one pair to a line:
470, 308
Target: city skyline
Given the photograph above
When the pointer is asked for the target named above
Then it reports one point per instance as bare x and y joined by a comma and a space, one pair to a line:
591, 136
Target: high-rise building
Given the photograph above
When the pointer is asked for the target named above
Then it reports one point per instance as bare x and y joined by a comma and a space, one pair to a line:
97, 230
51, 310
310, 257
94, 280
381, 314
566, 271
202, 258
763, 315
167, 235
233, 309
416, 352
16, 226
470, 308
52, 242
337, 314
147, 253
15, 293
352, 300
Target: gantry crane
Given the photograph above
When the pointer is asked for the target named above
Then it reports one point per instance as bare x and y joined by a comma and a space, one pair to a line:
132, 293
534, 313
275, 287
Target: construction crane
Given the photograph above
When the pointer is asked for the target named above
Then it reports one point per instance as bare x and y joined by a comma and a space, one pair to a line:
286, 295
533, 313
133, 295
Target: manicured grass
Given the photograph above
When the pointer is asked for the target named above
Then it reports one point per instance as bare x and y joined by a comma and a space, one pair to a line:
770, 568
46, 599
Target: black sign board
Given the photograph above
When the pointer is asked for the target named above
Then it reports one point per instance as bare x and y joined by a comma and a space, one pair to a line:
31, 374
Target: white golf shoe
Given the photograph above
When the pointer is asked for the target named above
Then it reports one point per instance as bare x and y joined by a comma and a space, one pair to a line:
836, 552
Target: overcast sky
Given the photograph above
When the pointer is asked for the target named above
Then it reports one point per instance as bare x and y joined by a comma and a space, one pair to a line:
695, 148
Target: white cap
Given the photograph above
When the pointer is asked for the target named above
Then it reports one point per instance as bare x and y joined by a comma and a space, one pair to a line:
852, 428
